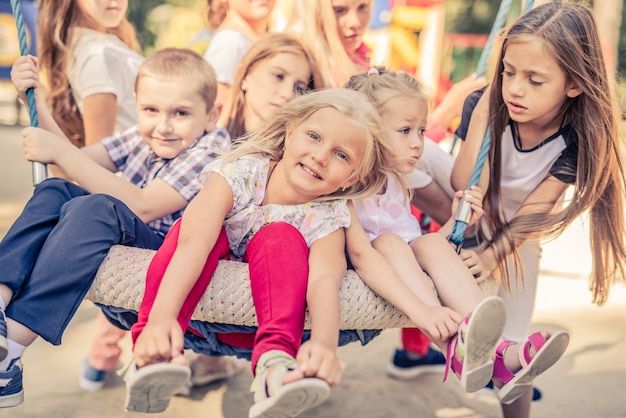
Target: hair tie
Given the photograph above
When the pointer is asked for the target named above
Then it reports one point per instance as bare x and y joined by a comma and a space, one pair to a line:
373, 71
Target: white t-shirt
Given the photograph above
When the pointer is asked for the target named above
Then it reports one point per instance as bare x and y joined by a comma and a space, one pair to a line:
225, 51
523, 171
248, 177
388, 213
102, 63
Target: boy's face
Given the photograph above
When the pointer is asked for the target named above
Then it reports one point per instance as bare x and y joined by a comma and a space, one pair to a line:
171, 115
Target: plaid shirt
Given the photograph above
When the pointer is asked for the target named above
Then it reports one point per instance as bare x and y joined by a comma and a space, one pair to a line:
140, 166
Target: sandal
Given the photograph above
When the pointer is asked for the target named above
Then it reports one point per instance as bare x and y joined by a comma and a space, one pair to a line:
547, 353
151, 388
273, 398
475, 342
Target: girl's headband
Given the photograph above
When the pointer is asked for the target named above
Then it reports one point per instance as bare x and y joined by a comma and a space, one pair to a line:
373, 71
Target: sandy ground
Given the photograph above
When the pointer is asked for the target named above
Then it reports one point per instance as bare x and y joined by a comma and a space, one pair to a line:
589, 381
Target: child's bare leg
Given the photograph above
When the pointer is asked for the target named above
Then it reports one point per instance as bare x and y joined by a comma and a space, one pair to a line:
517, 365
455, 284
401, 258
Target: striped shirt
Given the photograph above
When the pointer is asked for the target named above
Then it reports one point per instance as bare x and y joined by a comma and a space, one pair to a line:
138, 165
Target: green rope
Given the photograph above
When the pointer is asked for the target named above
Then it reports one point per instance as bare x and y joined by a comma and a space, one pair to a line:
463, 212
40, 171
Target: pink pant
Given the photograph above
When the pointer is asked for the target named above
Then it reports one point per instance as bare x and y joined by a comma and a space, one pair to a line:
105, 351
278, 266
415, 341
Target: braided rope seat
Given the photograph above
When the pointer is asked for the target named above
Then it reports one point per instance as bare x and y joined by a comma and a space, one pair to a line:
120, 282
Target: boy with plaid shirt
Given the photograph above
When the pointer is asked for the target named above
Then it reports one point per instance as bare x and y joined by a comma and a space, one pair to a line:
52, 252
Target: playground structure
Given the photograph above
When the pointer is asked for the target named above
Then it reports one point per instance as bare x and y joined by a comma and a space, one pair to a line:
410, 36
10, 49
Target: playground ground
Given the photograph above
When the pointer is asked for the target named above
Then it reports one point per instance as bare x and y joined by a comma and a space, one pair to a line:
589, 381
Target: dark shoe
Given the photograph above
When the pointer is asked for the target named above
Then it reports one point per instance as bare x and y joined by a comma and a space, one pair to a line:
404, 366
91, 379
11, 391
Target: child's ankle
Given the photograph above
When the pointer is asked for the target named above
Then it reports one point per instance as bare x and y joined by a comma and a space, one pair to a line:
15, 350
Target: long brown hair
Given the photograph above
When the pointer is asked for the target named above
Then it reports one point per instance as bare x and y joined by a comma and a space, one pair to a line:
568, 31
266, 47
314, 22
56, 21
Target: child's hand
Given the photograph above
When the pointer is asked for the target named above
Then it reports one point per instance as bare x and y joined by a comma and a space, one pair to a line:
25, 75
318, 360
474, 197
439, 322
42, 146
159, 342
475, 265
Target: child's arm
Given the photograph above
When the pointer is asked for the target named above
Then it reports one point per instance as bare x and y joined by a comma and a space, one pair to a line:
162, 337
99, 110
541, 200
92, 168
327, 268
474, 197
99, 116
468, 152
438, 322
25, 75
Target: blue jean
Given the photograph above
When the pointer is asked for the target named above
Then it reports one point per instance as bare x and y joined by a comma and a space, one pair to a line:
50, 255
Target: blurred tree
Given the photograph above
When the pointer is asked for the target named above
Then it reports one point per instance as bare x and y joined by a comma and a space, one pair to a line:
608, 13
475, 16
138, 12
621, 48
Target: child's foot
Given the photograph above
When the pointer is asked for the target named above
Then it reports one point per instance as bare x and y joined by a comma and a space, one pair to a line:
515, 370
206, 369
151, 388
281, 391
405, 365
91, 379
11, 391
470, 351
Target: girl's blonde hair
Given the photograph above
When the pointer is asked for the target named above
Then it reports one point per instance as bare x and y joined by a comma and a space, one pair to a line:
569, 33
266, 47
182, 65
371, 83
56, 21
377, 163
378, 79
314, 22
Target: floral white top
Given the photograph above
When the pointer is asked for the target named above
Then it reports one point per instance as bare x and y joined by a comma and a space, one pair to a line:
248, 178
388, 213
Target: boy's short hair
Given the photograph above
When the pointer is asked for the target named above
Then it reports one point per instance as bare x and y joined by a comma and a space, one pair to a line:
182, 64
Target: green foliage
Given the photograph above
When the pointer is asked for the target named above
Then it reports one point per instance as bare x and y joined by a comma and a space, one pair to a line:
621, 49
137, 14
475, 16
